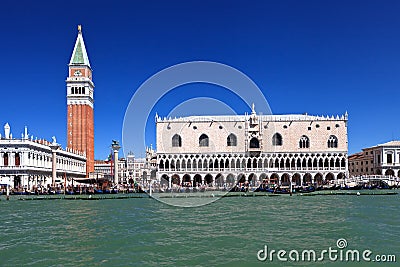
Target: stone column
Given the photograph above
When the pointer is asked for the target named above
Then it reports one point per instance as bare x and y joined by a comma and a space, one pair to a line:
115, 147
116, 180
24, 158
11, 159
54, 146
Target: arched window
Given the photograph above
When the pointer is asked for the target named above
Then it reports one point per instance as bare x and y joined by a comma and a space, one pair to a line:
304, 142
161, 165
176, 140
254, 143
203, 140
231, 140
277, 139
332, 142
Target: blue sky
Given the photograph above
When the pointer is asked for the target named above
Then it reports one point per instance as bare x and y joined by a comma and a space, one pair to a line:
320, 57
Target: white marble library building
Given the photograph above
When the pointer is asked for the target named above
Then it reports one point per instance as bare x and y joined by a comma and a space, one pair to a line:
26, 162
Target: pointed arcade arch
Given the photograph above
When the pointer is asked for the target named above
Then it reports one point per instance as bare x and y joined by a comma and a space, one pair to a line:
307, 179
341, 175
296, 179
164, 180
274, 178
330, 177
208, 179
186, 181
230, 180
318, 179
197, 180
176, 179
285, 179
219, 180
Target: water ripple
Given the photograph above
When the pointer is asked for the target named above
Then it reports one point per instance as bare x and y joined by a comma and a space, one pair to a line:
229, 232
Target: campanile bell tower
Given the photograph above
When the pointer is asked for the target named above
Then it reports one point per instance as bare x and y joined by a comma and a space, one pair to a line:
80, 87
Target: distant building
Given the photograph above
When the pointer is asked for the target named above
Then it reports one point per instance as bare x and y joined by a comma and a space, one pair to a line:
80, 91
383, 159
130, 169
135, 169
27, 162
103, 169
213, 150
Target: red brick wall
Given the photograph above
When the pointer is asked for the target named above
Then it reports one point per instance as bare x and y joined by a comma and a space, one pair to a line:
81, 125
86, 72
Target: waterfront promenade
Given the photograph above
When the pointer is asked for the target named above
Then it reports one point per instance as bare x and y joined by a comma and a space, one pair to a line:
205, 195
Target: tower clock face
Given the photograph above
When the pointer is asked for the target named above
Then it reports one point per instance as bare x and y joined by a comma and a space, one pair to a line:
77, 73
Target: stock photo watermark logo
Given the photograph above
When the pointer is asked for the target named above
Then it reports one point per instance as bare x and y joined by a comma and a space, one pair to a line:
156, 87
339, 253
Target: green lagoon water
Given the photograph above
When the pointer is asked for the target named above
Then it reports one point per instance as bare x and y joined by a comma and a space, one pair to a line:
228, 232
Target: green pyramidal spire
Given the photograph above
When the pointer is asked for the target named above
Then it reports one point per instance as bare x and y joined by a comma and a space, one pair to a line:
79, 55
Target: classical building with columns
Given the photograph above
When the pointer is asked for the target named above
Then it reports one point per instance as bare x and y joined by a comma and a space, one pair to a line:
218, 150
383, 159
25, 162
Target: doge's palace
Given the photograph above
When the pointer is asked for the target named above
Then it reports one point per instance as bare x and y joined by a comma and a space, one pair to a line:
224, 150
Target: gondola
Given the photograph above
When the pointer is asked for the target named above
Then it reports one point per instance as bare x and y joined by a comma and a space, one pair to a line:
307, 189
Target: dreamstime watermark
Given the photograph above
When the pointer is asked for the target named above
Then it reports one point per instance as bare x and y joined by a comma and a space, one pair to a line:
340, 253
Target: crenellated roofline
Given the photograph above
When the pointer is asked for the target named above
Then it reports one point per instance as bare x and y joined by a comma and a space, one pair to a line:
242, 118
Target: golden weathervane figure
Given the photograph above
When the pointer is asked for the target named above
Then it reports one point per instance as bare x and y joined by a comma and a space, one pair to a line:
79, 28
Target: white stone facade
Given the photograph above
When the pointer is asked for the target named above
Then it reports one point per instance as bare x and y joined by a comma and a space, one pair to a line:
26, 163
130, 169
383, 159
226, 149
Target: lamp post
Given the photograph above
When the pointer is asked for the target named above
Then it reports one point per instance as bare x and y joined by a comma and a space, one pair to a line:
115, 148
